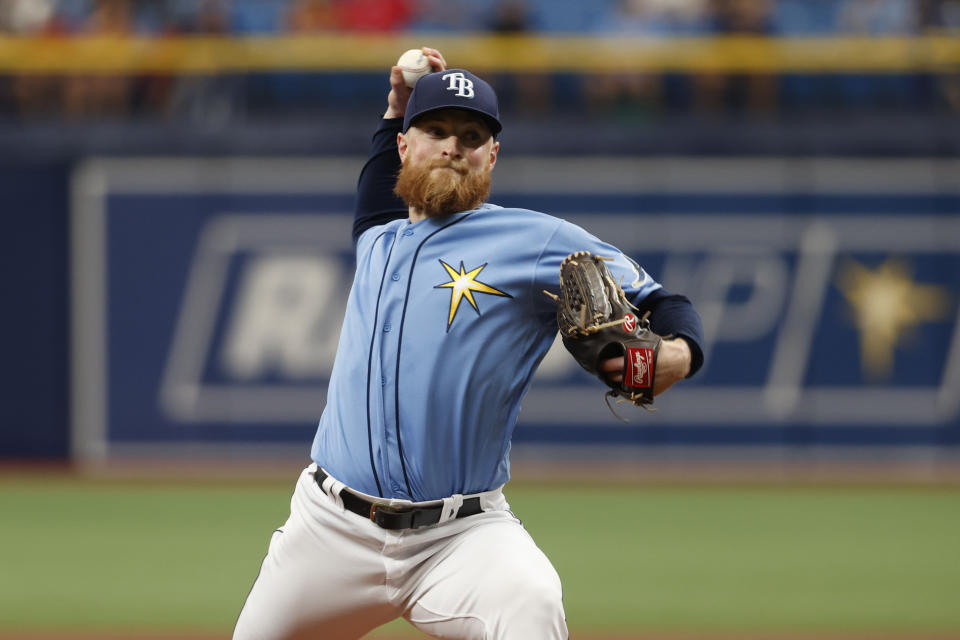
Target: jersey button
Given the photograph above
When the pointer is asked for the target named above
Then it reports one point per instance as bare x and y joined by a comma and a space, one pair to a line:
387, 327
408, 232
395, 277
383, 380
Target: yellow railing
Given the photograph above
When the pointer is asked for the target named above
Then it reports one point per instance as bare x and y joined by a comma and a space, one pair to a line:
483, 53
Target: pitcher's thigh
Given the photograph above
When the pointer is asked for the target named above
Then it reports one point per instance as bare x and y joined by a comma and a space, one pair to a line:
302, 589
492, 582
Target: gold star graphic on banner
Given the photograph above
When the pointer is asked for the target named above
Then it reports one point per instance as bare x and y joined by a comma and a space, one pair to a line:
462, 285
887, 302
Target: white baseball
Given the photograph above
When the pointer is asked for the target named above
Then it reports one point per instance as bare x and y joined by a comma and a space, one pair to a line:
414, 65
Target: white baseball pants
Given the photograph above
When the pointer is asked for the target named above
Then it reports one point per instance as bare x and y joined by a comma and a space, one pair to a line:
331, 574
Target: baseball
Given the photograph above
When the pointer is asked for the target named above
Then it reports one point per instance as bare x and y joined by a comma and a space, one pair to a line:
414, 65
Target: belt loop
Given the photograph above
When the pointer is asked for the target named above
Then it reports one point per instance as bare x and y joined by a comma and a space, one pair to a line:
451, 506
333, 488
493, 500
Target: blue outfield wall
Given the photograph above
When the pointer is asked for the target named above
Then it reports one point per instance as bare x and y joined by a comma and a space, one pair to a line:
34, 203
208, 295
213, 292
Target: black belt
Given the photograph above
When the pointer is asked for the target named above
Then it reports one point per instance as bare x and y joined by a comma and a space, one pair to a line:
387, 517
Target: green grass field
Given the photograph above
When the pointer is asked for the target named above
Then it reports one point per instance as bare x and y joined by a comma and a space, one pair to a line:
107, 557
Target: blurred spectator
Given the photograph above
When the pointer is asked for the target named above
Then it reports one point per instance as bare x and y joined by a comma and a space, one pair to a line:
568, 16
510, 16
682, 17
948, 13
754, 92
743, 17
938, 17
640, 92
152, 17
805, 17
528, 92
210, 101
877, 17
374, 15
286, 91
35, 94
26, 17
257, 16
654, 17
312, 16
211, 18
447, 15
215, 99
100, 94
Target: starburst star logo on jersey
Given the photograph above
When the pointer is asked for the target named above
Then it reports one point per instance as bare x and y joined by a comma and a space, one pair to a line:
462, 285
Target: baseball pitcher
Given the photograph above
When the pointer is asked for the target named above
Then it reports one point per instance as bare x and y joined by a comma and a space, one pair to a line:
402, 512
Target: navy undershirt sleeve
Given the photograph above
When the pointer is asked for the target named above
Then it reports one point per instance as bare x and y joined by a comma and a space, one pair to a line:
674, 315
376, 203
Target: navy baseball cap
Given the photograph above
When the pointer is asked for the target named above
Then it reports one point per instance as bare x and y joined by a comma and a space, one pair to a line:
453, 89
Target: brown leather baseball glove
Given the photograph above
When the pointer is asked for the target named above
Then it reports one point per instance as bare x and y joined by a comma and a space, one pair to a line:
597, 322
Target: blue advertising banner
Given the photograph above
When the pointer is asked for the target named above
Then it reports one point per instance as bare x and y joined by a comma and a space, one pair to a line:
208, 296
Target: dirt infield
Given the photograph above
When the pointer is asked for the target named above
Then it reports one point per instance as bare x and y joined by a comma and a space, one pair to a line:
577, 636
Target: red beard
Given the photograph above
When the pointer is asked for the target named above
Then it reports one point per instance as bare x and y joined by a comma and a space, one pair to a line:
439, 193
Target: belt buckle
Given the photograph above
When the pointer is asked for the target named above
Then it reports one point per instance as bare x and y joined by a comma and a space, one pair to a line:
381, 514
377, 507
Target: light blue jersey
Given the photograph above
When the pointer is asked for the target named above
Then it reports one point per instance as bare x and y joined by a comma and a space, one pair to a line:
445, 325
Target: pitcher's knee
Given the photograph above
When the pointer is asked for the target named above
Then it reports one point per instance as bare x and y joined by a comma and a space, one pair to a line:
532, 609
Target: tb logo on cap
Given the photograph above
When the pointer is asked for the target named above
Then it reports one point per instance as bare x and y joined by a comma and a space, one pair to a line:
459, 83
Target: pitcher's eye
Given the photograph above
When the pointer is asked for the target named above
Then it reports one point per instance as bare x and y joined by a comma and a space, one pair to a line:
473, 137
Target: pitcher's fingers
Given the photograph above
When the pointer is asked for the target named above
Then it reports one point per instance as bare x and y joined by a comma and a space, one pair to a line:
613, 368
396, 78
437, 62
612, 365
